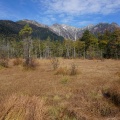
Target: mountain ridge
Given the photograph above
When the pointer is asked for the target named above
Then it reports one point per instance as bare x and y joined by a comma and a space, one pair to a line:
57, 30
71, 32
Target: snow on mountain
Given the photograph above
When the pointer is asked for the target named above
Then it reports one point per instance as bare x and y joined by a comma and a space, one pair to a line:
73, 33
69, 32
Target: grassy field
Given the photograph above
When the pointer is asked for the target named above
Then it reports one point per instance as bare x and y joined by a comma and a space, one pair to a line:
47, 94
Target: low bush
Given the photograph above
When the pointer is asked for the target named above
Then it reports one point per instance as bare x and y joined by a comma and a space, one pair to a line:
73, 69
32, 65
62, 71
17, 61
4, 63
113, 94
55, 63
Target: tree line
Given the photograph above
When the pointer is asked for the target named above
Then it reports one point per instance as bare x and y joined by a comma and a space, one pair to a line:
89, 46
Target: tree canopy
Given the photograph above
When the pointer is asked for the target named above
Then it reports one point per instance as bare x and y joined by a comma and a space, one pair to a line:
26, 31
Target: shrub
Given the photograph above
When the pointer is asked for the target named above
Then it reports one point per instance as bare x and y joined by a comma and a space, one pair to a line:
4, 63
31, 65
73, 69
55, 63
67, 71
17, 61
62, 71
113, 94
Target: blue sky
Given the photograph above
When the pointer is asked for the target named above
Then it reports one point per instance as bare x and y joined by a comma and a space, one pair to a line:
76, 13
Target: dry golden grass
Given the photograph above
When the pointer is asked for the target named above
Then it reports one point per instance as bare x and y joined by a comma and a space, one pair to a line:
72, 70
62, 71
78, 97
22, 108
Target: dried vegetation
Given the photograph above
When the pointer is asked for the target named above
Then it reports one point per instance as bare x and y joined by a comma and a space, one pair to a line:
62, 93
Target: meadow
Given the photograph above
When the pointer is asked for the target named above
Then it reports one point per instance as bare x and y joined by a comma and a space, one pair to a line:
76, 90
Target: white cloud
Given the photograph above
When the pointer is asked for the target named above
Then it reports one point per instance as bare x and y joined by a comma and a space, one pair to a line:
84, 23
48, 19
80, 7
76, 12
62, 15
68, 19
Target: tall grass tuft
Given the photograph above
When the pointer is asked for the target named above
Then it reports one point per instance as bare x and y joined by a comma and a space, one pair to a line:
55, 63
62, 71
4, 63
73, 69
31, 66
17, 61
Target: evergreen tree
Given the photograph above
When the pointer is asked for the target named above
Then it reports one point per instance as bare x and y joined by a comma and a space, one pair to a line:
91, 43
25, 34
113, 47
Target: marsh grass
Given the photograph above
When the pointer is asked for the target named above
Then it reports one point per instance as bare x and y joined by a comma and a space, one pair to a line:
19, 107
66, 97
70, 70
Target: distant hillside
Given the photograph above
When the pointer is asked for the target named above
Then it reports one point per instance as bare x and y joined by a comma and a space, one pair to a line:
10, 28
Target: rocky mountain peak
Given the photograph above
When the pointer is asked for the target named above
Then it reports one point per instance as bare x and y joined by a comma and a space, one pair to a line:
34, 23
74, 33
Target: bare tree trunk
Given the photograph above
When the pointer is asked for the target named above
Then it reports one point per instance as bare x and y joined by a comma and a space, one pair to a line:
8, 49
27, 50
101, 52
84, 53
67, 52
74, 52
116, 54
40, 56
